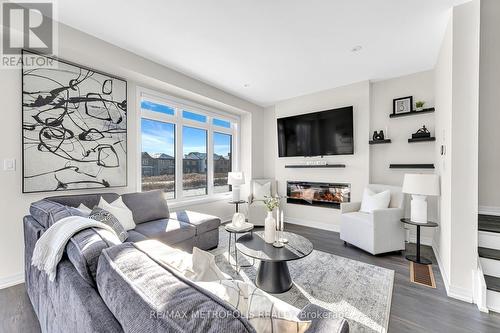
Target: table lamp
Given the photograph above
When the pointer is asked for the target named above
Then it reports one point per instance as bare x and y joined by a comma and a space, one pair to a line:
420, 186
235, 179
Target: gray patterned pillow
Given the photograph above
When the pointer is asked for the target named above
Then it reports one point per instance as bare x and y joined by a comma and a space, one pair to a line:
106, 217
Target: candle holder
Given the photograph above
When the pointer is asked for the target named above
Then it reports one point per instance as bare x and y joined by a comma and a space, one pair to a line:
279, 228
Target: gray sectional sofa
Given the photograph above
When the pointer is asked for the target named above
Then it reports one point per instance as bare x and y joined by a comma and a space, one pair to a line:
102, 286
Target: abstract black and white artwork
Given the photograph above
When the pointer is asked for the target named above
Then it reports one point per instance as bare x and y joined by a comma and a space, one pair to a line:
74, 128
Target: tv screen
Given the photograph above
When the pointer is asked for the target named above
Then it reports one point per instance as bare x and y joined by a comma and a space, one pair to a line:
317, 134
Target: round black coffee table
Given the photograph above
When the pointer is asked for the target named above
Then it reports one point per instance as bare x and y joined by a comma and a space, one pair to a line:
273, 275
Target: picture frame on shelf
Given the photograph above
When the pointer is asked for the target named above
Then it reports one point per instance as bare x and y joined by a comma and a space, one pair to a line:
402, 105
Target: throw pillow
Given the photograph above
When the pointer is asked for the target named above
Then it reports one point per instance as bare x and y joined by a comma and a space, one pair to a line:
199, 266
372, 201
261, 191
205, 268
120, 211
265, 313
106, 217
84, 209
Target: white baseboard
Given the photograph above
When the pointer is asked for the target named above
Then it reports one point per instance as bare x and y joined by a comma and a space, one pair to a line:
12, 280
451, 290
489, 210
313, 224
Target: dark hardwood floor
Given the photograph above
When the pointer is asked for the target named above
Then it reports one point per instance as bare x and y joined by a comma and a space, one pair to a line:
414, 308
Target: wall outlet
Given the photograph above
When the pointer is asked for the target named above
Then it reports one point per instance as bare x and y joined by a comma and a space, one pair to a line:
9, 164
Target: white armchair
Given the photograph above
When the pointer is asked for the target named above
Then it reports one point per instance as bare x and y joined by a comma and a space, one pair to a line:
378, 232
257, 210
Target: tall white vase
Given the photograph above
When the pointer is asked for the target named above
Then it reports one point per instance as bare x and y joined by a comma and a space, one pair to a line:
269, 228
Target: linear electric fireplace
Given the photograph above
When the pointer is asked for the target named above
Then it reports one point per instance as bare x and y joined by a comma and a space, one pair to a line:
318, 194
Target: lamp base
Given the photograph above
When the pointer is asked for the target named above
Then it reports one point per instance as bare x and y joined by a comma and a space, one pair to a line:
236, 193
418, 208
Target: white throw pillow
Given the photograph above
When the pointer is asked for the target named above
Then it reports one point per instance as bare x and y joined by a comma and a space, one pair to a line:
265, 313
199, 266
84, 209
372, 201
261, 191
120, 211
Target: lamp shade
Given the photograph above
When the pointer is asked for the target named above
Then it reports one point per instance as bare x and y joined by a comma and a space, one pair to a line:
421, 184
236, 178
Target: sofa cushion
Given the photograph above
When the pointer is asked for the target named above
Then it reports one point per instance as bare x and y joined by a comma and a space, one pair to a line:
89, 200
48, 212
202, 222
168, 231
146, 296
84, 249
147, 206
134, 236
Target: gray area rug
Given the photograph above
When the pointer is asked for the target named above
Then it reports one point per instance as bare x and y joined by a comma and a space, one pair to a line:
359, 292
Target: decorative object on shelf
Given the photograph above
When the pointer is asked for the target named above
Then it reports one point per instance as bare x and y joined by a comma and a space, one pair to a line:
236, 179
270, 223
419, 105
421, 133
74, 128
378, 136
420, 186
402, 105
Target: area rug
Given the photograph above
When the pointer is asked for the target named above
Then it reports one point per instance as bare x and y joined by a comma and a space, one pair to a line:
359, 292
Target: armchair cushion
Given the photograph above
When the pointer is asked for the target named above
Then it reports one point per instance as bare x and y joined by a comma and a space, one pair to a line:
261, 191
372, 200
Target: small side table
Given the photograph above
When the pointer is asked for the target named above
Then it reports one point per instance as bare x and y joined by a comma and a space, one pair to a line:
232, 233
417, 258
237, 203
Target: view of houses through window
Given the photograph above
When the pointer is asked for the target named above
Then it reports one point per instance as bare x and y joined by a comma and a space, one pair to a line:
199, 134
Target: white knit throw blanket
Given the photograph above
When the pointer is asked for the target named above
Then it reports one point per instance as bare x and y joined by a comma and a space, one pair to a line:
50, 246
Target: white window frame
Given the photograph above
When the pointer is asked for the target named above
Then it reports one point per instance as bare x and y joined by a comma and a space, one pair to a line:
177, 119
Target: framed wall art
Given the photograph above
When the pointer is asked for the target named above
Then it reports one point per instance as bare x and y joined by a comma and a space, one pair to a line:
74, 128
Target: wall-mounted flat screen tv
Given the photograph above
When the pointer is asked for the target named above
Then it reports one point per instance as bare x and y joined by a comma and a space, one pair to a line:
321, 133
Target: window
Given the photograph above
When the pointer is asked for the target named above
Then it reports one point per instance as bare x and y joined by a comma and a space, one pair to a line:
194, 164
158, 156
186, 150
222, 161
194, 116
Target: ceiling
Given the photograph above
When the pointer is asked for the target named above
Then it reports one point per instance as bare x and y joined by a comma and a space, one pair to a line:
269, 50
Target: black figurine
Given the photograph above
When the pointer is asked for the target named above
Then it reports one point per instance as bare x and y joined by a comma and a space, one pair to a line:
421, 133
378, 136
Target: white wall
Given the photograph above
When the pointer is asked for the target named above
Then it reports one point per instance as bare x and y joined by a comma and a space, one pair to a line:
444, 95
421, 87
489, 108
357, 166
86, 50
458, 123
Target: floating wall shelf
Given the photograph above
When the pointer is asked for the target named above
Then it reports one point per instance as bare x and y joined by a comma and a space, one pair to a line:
315, 166
412, 113
411, 166
377, 142
422, 139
